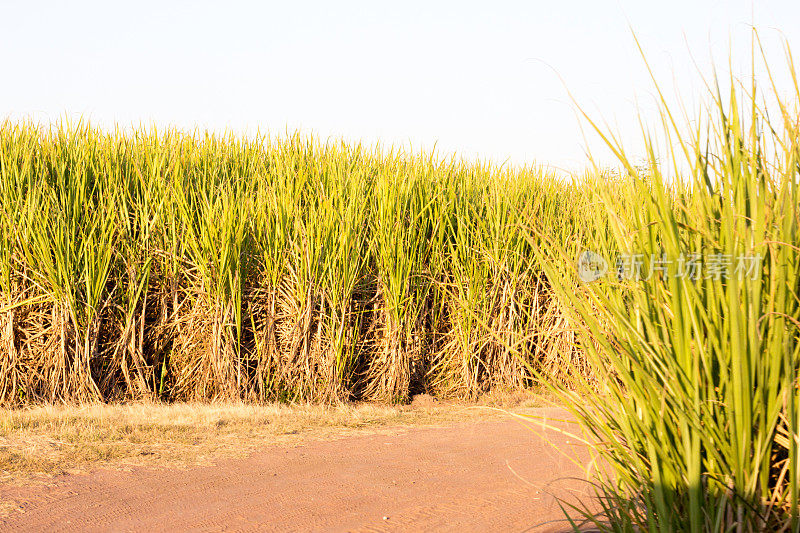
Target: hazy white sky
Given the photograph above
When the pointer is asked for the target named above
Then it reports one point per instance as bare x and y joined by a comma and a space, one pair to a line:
477, 78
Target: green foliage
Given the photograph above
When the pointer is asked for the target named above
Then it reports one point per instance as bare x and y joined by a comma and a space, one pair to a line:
192, 266
697, 417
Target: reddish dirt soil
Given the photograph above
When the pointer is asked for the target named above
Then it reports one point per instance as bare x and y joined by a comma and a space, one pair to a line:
478, 476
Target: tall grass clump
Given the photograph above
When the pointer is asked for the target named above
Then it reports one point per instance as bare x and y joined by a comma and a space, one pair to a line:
697, 419
406, 230
495, 301
324, 290
191, 266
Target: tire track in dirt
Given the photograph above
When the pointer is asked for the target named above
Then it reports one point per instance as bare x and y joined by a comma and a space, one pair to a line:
477, 476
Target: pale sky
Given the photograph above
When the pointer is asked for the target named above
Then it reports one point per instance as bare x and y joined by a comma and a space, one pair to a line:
480, 79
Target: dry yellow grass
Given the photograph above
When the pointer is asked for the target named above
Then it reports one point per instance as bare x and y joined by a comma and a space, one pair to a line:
39, 442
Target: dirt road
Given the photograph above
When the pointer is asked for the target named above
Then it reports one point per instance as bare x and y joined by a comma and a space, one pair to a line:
478, 476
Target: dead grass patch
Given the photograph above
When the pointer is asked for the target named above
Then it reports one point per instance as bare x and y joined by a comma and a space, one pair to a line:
37, 443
